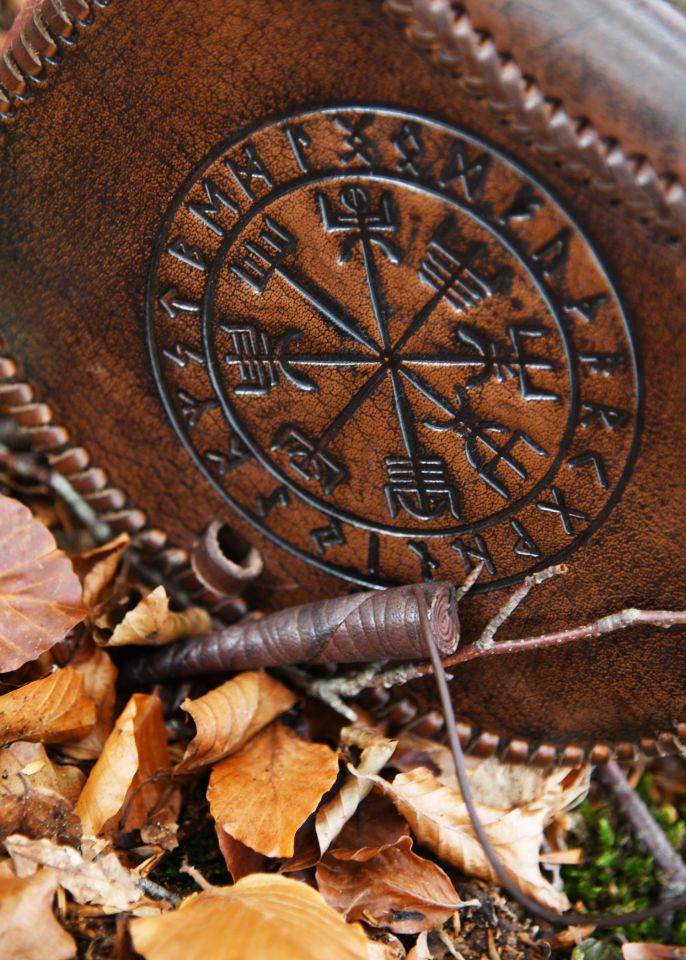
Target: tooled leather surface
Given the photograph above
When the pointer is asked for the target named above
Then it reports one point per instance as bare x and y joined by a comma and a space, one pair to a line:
83, 266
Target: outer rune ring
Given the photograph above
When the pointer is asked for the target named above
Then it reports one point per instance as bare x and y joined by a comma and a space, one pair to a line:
391, 350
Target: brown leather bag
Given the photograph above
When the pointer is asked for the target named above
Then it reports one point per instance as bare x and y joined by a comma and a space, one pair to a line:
393, 291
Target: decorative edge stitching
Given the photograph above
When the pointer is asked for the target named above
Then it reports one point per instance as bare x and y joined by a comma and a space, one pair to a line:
657, 201
55, 25
444, 31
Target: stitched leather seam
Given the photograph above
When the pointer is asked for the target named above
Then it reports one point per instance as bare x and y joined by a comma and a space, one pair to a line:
54, 26
574, 145
657, 201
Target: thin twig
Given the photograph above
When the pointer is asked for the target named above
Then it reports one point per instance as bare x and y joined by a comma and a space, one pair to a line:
486, 640
590, 631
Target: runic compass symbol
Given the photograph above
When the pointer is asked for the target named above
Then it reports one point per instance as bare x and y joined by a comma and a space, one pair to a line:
397, 356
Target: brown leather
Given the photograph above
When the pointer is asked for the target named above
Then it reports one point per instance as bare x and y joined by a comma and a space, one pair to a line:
102, 172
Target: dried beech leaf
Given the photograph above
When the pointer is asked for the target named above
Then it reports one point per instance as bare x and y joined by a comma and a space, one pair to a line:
416, 751
124, 786
39, 814
652, 951
38, 772
27, 923
263, 793
333, 816
36, 796
264, 916
374, 825
227, 717
99, 680
395, 889
104, 882
97, 569
53, 709
438, 818
40, 595
240, 860
152, 623
384, 946
420, 951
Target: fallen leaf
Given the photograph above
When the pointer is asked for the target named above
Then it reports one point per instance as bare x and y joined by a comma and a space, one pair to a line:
99, 679
374, 825
420, 951
26, 764
104, 881
395, 888
382, 945
333, 816
124, 786
415, 751
27, 923
152, 623
652, 951
438, 818
40, 595
97, 569
227, 717
240, 860
263, 793
264, 916
39, 814
36, 796
53, 709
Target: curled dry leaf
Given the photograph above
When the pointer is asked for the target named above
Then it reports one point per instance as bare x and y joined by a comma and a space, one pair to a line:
374, 825
36, 796
263, 793
420, 951
125, 785
652, 951
416, 751
438, 818
264, 915
26, 764
240, 860
395, 889
333, 816
227, 717
152, 623
49, 710
99, 680
104, 881
40, 595
382, 945
27, 923
97, 569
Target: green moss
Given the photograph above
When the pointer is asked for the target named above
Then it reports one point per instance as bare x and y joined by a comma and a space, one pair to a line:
617, 875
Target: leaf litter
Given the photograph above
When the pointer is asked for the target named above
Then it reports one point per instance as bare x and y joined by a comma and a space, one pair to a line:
327, 840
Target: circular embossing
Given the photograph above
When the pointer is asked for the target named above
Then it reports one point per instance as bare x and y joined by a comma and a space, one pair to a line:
391, 350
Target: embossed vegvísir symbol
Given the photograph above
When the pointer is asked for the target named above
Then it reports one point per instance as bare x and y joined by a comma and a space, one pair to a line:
419, 374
